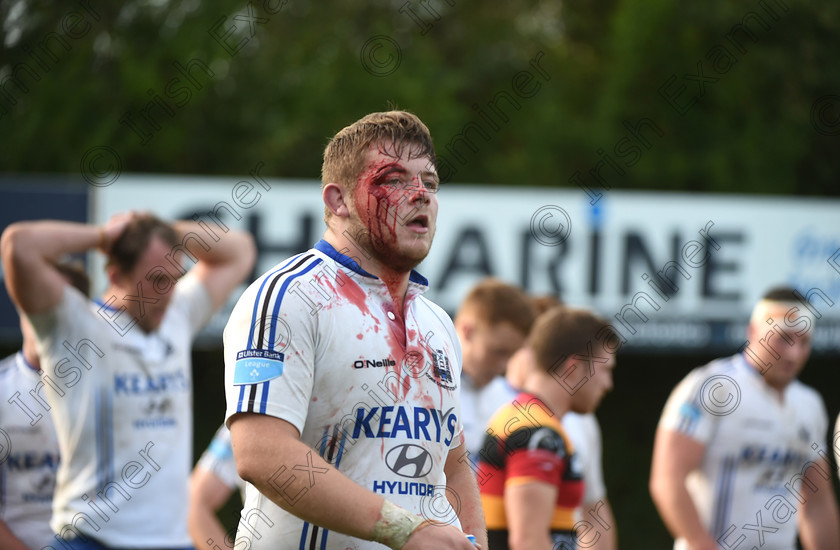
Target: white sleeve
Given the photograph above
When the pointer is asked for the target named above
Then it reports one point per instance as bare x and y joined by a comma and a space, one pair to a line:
193, 301
270, 354
218, 458
595, 489
835, 439
585, 434
73, 323
685, 412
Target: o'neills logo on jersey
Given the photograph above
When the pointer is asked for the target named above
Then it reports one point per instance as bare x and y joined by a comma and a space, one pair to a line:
370, 363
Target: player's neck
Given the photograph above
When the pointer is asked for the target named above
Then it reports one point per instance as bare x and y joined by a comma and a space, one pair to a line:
114, 298
395, 280
549, 391
30, 354
779, 388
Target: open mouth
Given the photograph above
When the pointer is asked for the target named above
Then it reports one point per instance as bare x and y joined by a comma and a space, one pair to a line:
419, 222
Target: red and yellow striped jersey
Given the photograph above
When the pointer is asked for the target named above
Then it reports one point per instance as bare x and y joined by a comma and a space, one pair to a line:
526, 443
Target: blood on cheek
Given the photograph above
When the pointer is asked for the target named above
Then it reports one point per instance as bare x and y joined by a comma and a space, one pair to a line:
377, 206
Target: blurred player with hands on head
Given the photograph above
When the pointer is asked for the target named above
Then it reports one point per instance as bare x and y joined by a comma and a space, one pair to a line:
342, 379
739, 458
117, 373
531, 480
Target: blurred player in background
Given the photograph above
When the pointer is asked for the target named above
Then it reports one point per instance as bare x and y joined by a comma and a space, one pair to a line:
27, 472
492, 323
342, 380
120, 385
739, 458
531, 479
836, 443
213, 481
585, 433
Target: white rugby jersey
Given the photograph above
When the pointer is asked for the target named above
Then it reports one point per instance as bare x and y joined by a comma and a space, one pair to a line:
311, 342
836, 443
585, 433
749, 485
29, 457
478, 405
122, 407
218, 458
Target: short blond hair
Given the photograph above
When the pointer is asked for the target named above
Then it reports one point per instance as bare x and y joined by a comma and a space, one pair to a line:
344, 155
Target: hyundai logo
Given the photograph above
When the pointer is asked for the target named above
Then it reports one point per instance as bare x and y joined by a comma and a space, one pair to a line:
409, 461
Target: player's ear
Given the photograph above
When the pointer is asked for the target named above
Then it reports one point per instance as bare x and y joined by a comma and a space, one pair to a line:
465, 327
750, 332
337, 198
114, 274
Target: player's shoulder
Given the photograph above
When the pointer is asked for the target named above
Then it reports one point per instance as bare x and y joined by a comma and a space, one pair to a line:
724, 366
804, 396
275, 281
525, 425
580, 422
8, 365
430, 308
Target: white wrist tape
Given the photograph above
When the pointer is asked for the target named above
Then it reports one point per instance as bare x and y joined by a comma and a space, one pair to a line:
395, 525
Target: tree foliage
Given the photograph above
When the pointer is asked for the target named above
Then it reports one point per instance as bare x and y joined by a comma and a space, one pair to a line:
275, 88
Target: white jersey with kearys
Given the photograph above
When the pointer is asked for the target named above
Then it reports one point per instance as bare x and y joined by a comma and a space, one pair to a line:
218, 459
757, 444
29, 456
316, 342
122, 406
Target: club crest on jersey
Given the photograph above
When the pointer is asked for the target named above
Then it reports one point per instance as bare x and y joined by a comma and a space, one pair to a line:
257, 365
441, 371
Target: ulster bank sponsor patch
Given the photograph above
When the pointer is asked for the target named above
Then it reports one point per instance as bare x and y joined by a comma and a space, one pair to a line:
257, 365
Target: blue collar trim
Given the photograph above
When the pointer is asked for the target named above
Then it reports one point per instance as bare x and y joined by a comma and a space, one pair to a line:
350, 263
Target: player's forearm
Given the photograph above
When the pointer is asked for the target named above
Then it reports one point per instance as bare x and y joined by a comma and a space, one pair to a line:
605, 535
39, 242
206, 531
819, 525
298, 480
461, 481
8, 541
679, 513
233, 246
29, 250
